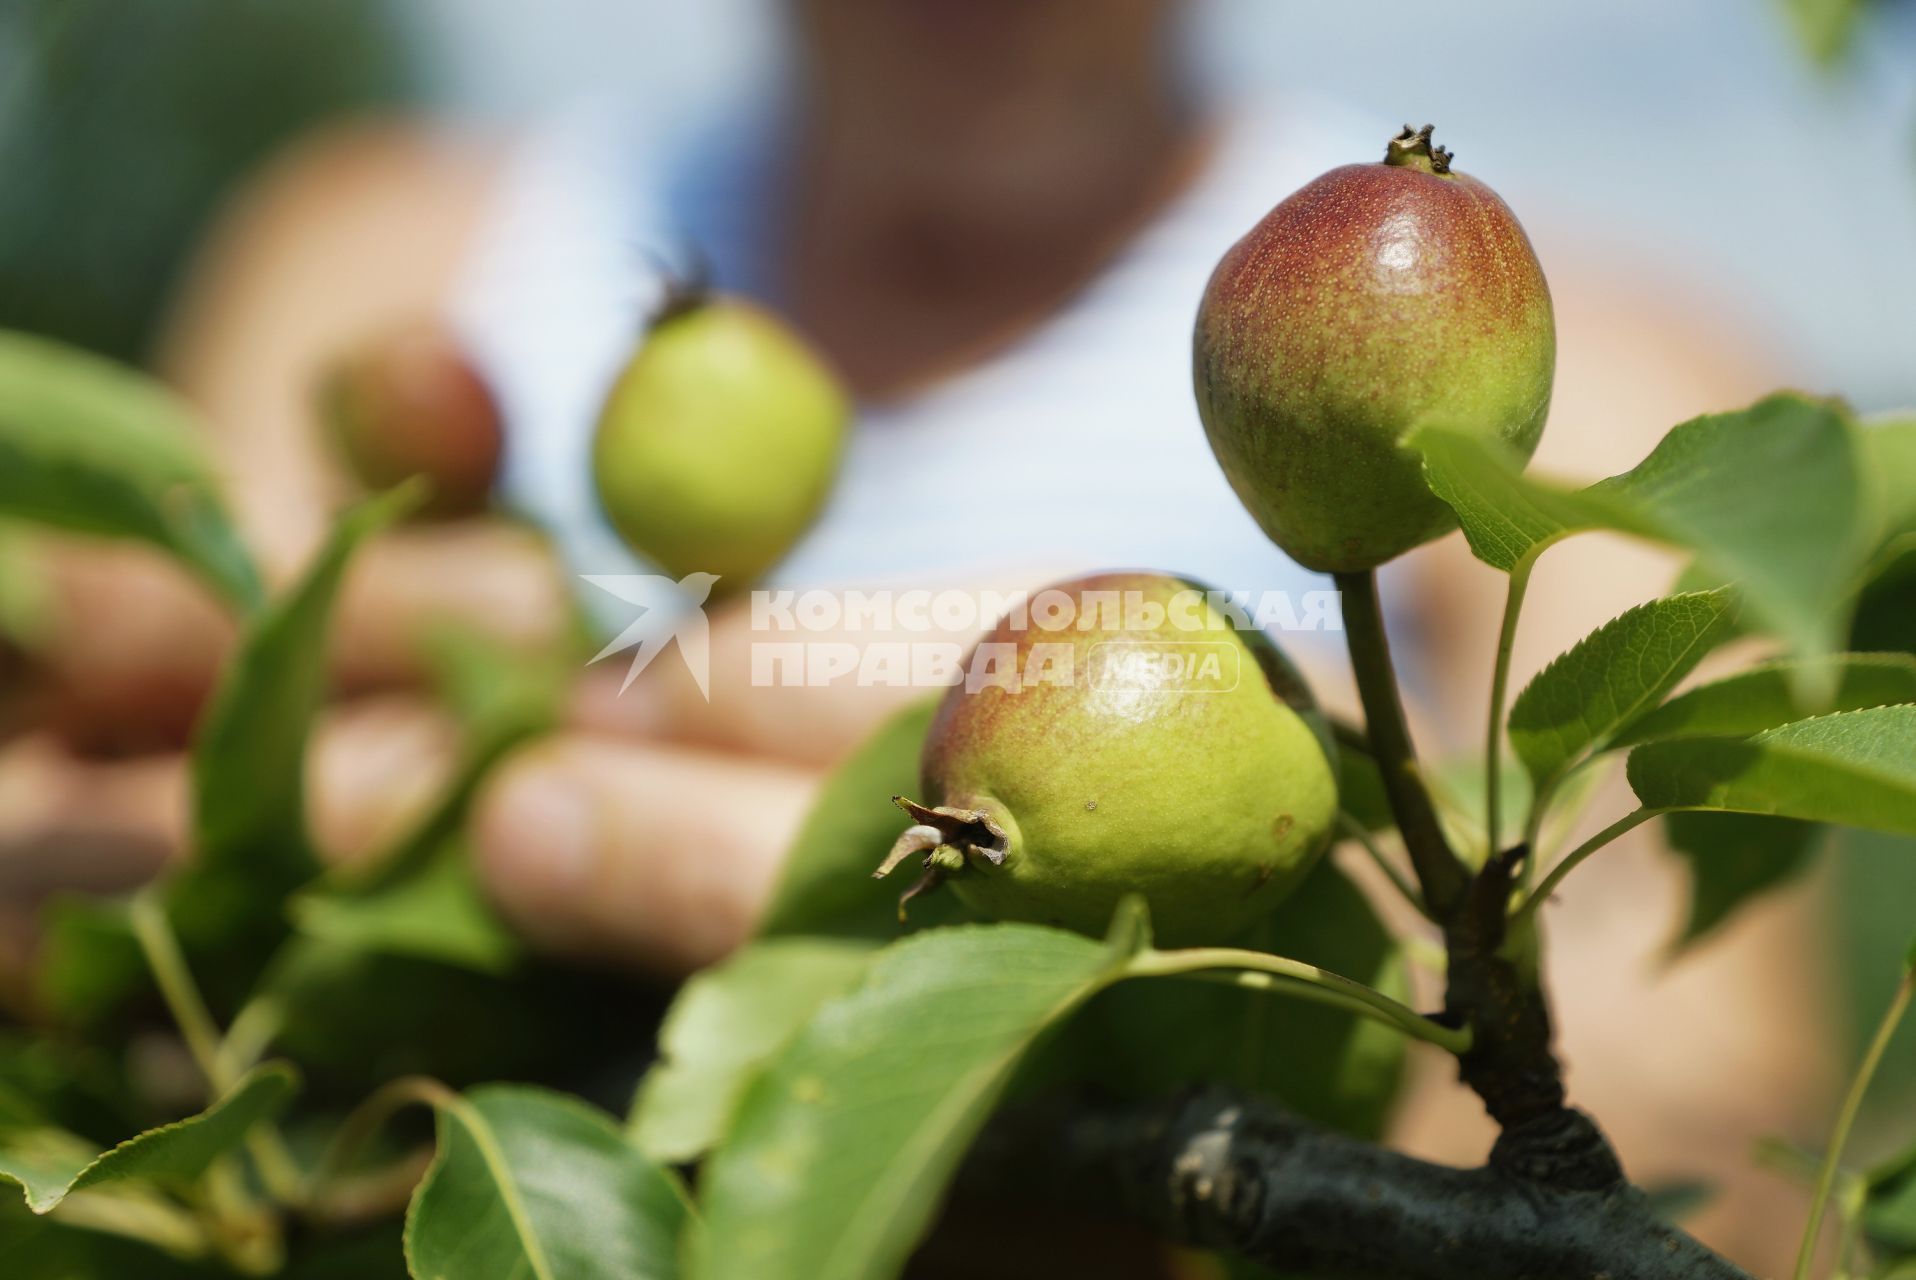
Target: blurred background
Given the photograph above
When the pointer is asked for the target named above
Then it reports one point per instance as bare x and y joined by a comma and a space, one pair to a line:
1761, 150
1755, 160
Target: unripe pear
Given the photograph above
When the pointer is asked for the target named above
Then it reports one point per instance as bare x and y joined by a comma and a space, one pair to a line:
1375, 298
1179, 757
410, 403
720, 440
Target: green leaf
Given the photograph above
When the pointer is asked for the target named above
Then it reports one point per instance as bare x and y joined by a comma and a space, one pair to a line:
1508, 518
827, 885
27, 594
1826, 28
1150, 1038
1714, 486
1733, 858
1763, 697
534, 1185
91, 446
1889, 1207
486, 681
249, 758
49, 1171
439, 913
251, 847
104, 1235
1889, 460
1610, 677
1457, 785
1857, 768
89, 959
422, 897
1886, 608
502, 698
1677, 1200
842, 1148
726, 1024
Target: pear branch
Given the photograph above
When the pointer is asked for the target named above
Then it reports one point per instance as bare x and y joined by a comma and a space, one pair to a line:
1226, 1172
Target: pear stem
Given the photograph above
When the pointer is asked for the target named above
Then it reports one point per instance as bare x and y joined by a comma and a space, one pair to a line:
1259, 969
1412, 149
1438, 870
1846, 1119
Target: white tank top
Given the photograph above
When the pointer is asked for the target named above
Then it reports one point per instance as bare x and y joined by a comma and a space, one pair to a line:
1084, 429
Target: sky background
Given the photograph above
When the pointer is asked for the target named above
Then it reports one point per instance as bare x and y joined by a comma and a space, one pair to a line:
1695, 131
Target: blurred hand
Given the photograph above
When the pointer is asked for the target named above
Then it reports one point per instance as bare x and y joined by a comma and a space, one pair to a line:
649, 851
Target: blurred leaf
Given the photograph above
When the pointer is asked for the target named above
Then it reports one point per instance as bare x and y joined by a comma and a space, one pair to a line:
1457, 784
422, 896
502, 698
89, 960
1889, 460
439, 913
93, 447
827, 885
27, 598
1886, 610
1150, 1038
1612, 675
250, 845
180, 103
1675, 1201
486, 681
841, 1150
374, 1251
1763, 697
1714, 486
534, 1185
1873, 881
354, 1019
1733, 858
726, 1024
63, 1081
1826, 27
54, 1248
1855, 767
50, 1171
1889, 1205
249, 757
1360, 788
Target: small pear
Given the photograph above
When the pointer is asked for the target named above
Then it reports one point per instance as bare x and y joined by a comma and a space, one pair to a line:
1375, 298
1167, 750
720, 440
409, 402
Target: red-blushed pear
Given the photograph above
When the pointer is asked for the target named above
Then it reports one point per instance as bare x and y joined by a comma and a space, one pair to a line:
1375, 298
1167, 750
409, 402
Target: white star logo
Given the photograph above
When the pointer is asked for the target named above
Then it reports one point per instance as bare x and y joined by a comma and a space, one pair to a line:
668, 611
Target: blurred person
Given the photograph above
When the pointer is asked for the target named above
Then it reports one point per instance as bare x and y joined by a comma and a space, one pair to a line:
995, 218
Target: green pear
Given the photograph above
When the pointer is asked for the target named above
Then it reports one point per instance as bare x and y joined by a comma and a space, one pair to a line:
1179, 757
1376, 297
720, 440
